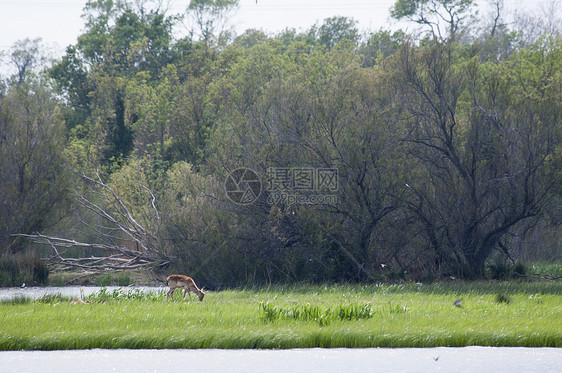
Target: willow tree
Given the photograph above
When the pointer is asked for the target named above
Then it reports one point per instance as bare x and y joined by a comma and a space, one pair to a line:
484, 136
32, 178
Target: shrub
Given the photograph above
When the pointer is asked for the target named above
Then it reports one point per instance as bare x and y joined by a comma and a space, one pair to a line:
519, 270
499, 269
124, 280
503, 298
104, 280
344, 312
22, 268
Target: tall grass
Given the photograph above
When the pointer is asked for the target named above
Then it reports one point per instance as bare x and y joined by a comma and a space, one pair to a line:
23, 268
549, 269
270, 312
285, 317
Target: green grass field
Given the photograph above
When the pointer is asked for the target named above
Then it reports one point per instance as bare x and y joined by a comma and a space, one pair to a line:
491, 314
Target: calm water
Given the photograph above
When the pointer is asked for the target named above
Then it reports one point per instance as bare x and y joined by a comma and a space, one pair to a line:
69, 291
441, 359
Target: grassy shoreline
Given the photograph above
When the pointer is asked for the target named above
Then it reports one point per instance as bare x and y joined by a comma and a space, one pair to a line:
494, 314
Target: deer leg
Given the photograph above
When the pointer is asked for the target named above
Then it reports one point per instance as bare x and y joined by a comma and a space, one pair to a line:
170, 294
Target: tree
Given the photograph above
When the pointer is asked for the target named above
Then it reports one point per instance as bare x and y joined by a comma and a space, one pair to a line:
349, 130
25, 56
211, 17
381, 44
124, 44
125, 36
314, 112
532, 27
126, 227
197, 227
481, 157
336, 29
435, 14
443, 153
111, 122
251, 37
72, 79
32, 178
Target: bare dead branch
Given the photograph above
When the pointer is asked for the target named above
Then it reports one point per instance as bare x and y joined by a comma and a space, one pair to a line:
120, 226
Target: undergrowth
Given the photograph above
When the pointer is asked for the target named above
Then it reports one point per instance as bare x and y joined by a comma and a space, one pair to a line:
271, 312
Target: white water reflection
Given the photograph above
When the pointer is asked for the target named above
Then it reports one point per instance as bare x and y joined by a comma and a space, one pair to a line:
440, 359
67, 291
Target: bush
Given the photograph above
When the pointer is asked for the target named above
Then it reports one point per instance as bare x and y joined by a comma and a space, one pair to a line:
503, 298
499, 269
27, 268
104, 280
124, 280
519, 270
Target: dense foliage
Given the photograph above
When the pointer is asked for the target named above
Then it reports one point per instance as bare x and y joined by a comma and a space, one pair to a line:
380, 157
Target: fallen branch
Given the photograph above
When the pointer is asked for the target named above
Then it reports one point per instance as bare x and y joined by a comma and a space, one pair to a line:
118, 258
121, 220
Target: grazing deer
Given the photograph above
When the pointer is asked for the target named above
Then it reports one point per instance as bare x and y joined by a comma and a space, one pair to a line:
185, 283
79, 301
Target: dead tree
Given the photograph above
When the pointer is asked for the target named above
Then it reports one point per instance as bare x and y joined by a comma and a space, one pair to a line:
116, 229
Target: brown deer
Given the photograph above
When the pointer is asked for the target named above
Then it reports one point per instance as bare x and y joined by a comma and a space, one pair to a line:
185, 283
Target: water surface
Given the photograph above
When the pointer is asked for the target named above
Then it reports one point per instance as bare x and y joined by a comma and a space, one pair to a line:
339, 360
67, 291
